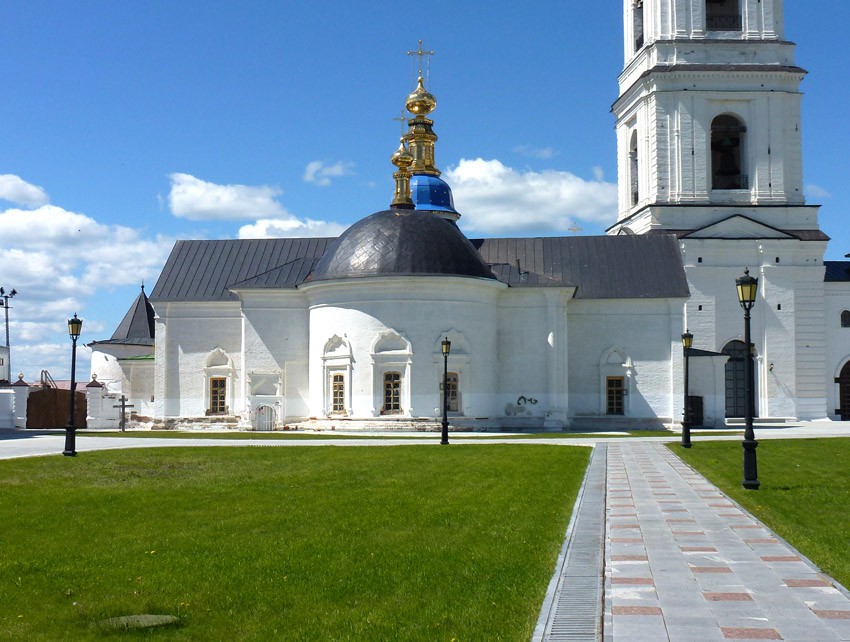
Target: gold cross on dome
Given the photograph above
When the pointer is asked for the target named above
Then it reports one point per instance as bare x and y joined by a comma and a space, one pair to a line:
421, 53
402, 119
575, 229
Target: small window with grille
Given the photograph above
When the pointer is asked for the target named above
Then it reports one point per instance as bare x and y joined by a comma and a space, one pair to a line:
723, 15
452, 392
615, 395
338, 393
392, 393
218, 388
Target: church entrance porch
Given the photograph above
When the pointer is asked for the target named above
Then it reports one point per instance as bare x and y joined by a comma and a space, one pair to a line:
844, 393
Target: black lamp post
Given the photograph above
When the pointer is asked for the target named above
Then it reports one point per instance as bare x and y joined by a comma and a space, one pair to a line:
687, 342
5, 303
747, 290
75, 326
446, 346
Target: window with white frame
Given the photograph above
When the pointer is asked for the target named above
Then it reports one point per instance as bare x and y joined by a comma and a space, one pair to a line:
219, 375
392, 358
338, 367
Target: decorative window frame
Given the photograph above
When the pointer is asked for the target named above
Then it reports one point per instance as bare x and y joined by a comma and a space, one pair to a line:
219, 364
336, 359
391, 352
615, 362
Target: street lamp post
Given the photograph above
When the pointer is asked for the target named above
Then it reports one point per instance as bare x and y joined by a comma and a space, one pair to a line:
5, 304
75, 326
747, 290
446, 346
687, 342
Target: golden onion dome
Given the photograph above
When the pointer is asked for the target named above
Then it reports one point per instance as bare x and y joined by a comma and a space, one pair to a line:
420, 102
402, 158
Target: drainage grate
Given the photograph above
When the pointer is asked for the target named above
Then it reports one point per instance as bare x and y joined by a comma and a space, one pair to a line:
573, 610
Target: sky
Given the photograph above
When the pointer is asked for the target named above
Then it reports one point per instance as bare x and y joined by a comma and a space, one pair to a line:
125, 126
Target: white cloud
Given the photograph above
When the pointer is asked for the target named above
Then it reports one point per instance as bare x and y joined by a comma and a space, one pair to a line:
200, 200
598, 173
319, 173
58, 261
816, 191
291, 227
494, 198
16, 190
544, 153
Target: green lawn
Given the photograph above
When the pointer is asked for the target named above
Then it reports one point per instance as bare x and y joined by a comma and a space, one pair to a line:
396, 543
804, 494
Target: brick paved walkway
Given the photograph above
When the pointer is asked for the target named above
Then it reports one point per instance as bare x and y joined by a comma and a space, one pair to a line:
682, 562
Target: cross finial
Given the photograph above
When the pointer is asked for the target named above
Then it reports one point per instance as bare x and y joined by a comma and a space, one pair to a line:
402, 120
575, 229
421, 53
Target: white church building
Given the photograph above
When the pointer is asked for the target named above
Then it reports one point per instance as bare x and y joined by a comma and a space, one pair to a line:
556, 332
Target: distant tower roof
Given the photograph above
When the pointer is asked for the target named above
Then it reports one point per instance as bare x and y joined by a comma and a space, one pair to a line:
137, 326
138, 322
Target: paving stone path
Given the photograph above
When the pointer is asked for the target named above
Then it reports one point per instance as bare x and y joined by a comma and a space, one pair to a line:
683, 562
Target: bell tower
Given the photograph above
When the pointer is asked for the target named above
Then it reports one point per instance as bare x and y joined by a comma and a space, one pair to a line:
708, 114
709, 148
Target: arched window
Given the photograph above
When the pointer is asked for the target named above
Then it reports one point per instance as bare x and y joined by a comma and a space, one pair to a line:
634, 181
727, 145
637, 23
845, 319
722, 15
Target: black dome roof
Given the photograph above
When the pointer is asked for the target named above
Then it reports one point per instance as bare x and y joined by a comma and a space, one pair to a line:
401, 242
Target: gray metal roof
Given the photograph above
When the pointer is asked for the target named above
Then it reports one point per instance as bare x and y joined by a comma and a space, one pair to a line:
837, 270
205, 270
600, 267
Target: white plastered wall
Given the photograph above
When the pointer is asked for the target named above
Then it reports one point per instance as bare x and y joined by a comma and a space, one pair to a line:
837, 299
395, 325
187, 336
634, 338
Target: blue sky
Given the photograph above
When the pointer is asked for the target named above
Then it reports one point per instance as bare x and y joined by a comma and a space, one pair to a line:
127, 125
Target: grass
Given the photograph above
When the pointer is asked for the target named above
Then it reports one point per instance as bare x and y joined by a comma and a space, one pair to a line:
401, 543
804, 495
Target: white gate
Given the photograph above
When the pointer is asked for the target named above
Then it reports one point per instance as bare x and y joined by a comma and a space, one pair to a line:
264, 418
